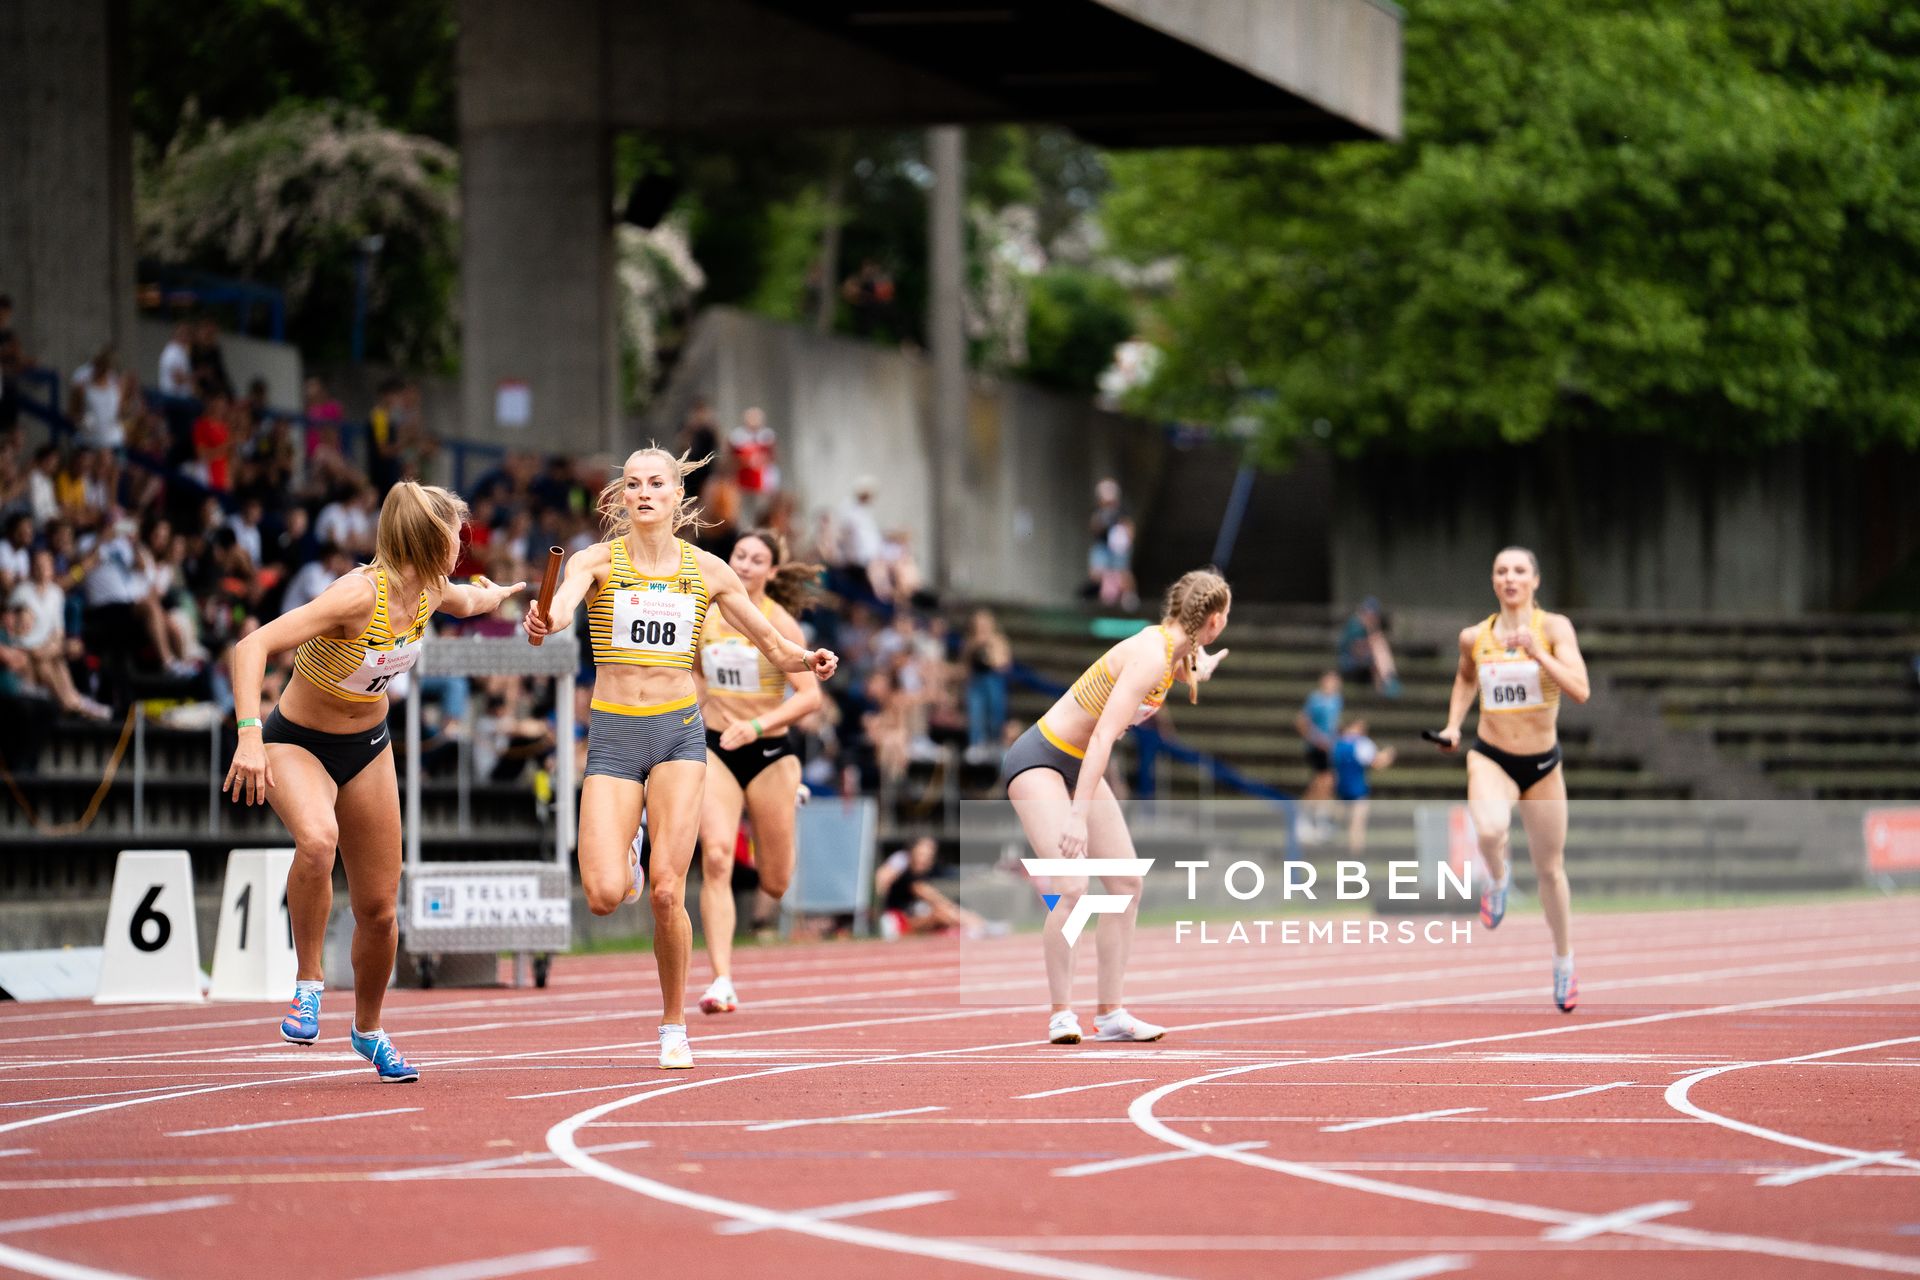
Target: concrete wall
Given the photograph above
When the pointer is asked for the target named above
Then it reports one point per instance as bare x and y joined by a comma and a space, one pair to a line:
66, 177
843, 409
1629, 524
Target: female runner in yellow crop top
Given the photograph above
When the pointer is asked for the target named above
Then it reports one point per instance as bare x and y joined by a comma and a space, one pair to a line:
324, 758
1518, 662
647, 594
1056, 778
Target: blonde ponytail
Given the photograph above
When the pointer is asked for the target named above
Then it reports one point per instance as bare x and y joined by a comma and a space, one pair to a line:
419, 532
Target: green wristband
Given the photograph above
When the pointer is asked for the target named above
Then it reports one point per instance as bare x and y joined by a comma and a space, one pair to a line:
758, 732
251, 722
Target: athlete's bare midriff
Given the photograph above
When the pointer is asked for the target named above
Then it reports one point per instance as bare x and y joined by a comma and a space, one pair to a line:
311, 707
1524, 733
632, 686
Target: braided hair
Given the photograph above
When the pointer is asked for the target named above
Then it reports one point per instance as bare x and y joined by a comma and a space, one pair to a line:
1197, 596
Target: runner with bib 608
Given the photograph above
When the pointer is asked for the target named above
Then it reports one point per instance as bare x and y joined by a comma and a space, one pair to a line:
1518, 662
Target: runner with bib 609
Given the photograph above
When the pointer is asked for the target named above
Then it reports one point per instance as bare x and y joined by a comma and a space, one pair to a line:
1519, 661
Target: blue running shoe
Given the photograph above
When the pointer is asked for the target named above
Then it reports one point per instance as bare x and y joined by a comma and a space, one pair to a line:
1493, 903
386, 1060
1566, 989
302, 1023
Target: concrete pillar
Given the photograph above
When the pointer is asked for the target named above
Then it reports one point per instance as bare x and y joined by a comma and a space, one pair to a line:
947, 346
66, 178
537, 258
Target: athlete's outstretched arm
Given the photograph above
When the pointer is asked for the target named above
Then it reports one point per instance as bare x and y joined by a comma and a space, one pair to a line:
476, 596
584, 570
344, 606
736, 606
1466, 682
1142, 671
805, 701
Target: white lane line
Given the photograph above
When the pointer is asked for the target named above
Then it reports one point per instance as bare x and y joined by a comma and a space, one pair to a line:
1077, 1088
1135, 1162
281, 1124
1806, 1173
851, 1209
1377, 1121
1581, 1093
17, 1151
498, 1162
1141, 1111
80, 1217
35, 1264
1604, 1223
772, 1125
1412, 1268
518, 1264
85, 1097
1677, 1099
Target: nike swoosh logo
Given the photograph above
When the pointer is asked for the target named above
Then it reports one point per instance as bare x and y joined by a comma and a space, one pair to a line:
1544, 767
377, 741
689, 719
771, 752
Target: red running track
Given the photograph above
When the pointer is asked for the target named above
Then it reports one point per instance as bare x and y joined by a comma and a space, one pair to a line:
1735, 1097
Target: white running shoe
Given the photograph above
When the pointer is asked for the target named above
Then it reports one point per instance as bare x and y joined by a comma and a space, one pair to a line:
720, 997
1063, 1028
639, 877
675, 1053
1121, 1025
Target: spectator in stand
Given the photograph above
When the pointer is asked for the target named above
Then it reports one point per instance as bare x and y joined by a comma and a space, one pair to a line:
1362, 652
43, 638
987, 657
213, 443
102, 392
245, 524
1110, 553
166, 626
857, 534
869, 293
1318, 723
699, 438
81, 490
115, 587
418, 446
348, 523
720, 510
16, 562
43, 499
1354, 756
176, 363
908, 901
383, 436
752, 446
209, 363
318, 404
295, 545
315, 576
895, 574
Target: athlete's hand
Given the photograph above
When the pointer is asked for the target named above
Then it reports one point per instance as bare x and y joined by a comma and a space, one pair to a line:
1073, 837
1525, 641
496, 594
249, 776
539, 625
1204, 663
823, 663
1448, 739
738, 735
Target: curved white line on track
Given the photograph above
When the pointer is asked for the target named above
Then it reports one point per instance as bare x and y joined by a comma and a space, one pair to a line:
35, 1264
1677, 1099
560, 1140
1141, 1111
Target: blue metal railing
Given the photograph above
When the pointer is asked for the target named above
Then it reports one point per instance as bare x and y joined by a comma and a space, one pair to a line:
1152, 744
196, 290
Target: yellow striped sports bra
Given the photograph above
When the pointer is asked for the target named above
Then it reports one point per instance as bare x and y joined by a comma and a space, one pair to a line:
736, 670
640, 621
359, 670
1095, 686
1509, 679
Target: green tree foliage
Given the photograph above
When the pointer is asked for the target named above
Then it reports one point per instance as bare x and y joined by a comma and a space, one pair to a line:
288, 199
1700, 219
239, 60
1075, 318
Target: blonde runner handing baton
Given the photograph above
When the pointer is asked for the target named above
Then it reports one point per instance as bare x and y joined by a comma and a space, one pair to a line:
647, 594
1517, 662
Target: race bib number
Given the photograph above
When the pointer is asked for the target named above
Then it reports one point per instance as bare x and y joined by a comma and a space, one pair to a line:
378, 668
658, 622
731, 668
1510, 686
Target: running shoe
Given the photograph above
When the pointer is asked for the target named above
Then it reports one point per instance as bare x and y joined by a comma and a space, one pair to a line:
1063, 1028
1493, 903
302, 1023
1121, 1025
639, 877
386, 1060
720, 997
1566, 988
675, 1053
